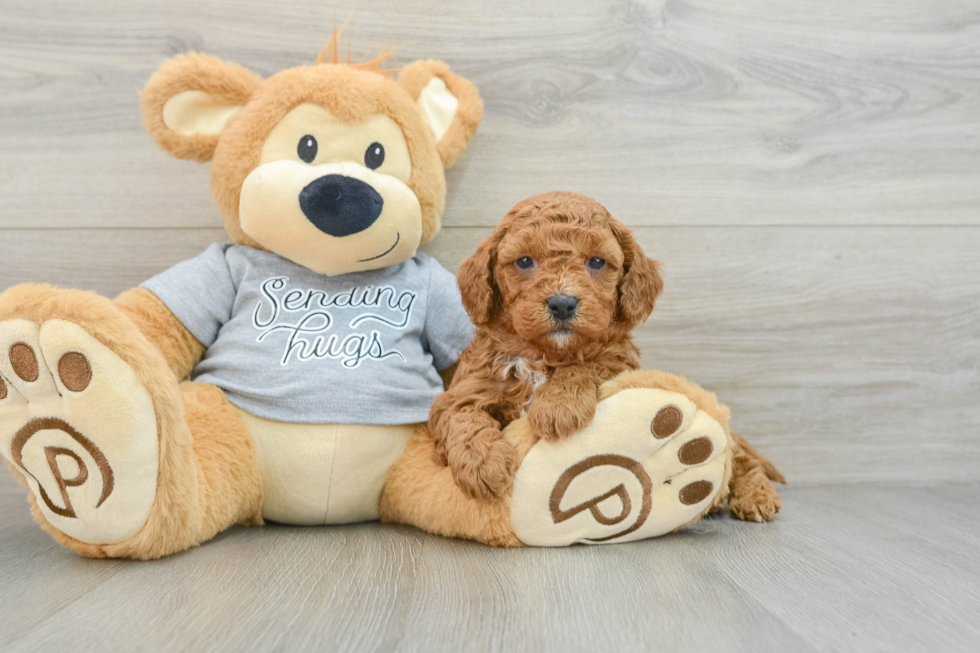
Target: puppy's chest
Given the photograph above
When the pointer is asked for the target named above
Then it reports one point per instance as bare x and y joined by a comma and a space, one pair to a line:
521, 378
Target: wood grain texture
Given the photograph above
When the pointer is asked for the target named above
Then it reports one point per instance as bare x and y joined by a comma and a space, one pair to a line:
676, 112
867, 567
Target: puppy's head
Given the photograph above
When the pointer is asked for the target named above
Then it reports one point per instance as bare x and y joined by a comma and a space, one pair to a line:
561, 272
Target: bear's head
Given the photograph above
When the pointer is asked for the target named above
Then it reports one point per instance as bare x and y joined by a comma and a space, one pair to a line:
335, 166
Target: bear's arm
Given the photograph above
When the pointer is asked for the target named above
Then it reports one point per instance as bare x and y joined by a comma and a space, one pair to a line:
179, 347
448, 374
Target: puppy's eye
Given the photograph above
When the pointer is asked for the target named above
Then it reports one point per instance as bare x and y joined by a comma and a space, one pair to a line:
525, 263
596, 263
374, 156
306, 150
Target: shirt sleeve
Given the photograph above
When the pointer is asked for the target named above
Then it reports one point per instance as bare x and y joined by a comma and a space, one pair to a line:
200, 292
448, 330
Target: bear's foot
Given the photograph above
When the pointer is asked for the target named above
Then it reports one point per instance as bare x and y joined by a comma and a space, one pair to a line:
650, 462
78, 425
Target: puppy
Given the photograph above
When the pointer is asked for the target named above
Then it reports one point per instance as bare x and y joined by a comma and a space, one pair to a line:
554, 293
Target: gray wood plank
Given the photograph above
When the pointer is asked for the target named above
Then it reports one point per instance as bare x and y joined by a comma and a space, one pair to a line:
847, 355
30, 594
702, 112
585, 599
855, 568
896, 585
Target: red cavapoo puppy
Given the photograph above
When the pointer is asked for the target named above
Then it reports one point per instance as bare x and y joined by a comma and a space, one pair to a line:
554, 293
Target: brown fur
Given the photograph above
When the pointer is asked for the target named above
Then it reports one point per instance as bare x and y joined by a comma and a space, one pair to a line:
416, 75
227, 82
753, 495
151, 316
422, 493
207, 477
447, 375
228, 472
561, 232
330, 54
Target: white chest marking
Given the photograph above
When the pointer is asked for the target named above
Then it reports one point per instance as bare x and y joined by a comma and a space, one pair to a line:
529, 376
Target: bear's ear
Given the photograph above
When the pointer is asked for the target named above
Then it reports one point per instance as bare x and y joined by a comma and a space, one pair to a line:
189, 100
450, 105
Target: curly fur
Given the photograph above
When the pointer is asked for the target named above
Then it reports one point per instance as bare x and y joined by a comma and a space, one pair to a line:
523, 362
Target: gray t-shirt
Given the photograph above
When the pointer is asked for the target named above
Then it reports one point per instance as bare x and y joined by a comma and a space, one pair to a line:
291, 345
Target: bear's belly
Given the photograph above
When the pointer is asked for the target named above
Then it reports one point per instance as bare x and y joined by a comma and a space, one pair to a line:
324, 473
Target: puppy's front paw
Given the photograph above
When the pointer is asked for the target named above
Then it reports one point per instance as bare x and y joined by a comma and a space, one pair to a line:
558, 420
484, 467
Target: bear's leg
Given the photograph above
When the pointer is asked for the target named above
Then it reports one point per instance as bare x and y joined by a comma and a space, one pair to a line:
421, 492
120, 460
229, 482
656, 457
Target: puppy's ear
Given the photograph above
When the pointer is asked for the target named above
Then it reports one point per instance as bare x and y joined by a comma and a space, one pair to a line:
475, 280
187, 103
449, 104
641, 283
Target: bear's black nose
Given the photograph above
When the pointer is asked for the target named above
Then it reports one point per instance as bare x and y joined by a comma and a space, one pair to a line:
562, 307
339, 205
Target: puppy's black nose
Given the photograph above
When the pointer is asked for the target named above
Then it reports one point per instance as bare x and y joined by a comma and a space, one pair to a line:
339, 205
562, 307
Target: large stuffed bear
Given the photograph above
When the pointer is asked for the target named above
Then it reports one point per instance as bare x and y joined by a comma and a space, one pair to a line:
314, 342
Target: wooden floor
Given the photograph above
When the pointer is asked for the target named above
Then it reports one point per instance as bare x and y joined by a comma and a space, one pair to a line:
852, 568
808, 172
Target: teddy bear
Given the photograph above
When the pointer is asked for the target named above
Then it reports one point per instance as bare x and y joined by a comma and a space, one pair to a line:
288, 376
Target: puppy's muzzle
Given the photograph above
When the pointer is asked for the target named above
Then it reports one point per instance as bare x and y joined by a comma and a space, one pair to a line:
340, 205
562, 307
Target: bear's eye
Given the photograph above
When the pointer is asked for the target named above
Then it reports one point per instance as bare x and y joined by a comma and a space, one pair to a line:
306, 150
374, 156
596, 263
525, 263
